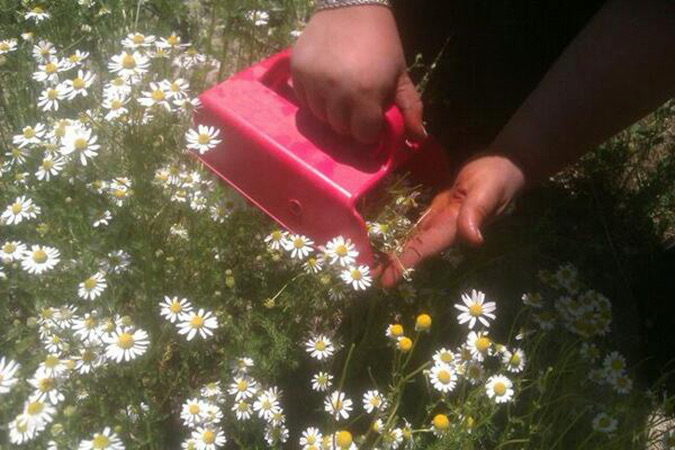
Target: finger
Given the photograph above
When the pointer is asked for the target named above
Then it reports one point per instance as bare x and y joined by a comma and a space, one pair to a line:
476, 209
432, 236
299, 90
409, 102
366, 123
337, 113
316, 104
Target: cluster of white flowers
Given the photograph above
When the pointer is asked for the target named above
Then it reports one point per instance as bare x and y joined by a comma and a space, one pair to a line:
72, 344
338, 255
189, 322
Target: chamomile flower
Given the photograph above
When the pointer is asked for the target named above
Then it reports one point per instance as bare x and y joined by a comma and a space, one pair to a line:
589, 351
173, 307
126, 344
12, 251
444, 356
79, 84
78, 57
88, 359
604, 423
440, 424
46, 388
614, 363
475, 309
137, 40
212, 391
187, 104
320, 347
48, 73
37, 14
129, 65
313, 265
322, 381
176, 89
52, 365
49, 167
114, 103
338, 405
266, 406
357, 277
40, 259
299, 246
241, 365
514, 361
276, 239
117, 87
443, 378
92, 287
203, 139
311, 439
620, 382
20, 432
8, 379
49, 98
242, 387
193, 412
533, 299
101, 219
341, 251
43, 51
105, 440
499, 388
479, 344
373, 400
29, 136
472, 372
201, 322
80, 141
16, 156
242, 410
172, 42
38, 413
7, 45
394, 331
155, 97
208, 438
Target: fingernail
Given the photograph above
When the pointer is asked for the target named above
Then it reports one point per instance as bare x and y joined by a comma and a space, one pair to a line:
426, 134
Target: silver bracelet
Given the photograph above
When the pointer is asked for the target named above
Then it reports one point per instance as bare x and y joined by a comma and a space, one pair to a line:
334, 4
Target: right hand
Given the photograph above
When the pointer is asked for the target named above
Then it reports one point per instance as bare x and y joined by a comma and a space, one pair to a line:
348, 67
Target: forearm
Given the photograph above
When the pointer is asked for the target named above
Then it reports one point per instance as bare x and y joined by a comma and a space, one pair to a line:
619, 68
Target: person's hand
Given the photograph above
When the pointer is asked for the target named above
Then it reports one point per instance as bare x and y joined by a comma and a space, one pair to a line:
484, 187
348, 66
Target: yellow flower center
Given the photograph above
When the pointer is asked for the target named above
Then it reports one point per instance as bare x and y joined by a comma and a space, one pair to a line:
138, 39
74, 58
90, 323
343, 439
194, 409
499, 388
444, 376
476, 310
617, 365
174, 87
446, 357
209, 437
87, 356
395, 330
38, 10
115, 104
204, 139
441, 422
35, 408
52, 94
4, 46
28, 132
175, 307
515, 360
172, 40
128, 61
157, 95
78, 83
197, 322
90, 284
405, 344
320, 346
80, 144
50, 68
40, 256
46, 384
9, 248
119, 81
341, 250
100, 442
356, 274
47, 164
423, 322
242, 386
482, 344
51, 361
125, 341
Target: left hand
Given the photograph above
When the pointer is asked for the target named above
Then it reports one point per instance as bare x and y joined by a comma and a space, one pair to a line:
483, 189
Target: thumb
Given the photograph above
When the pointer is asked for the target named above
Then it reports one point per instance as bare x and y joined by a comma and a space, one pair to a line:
476, 209
409, 102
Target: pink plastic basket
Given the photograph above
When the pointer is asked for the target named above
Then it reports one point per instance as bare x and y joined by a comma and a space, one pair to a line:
304, 176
